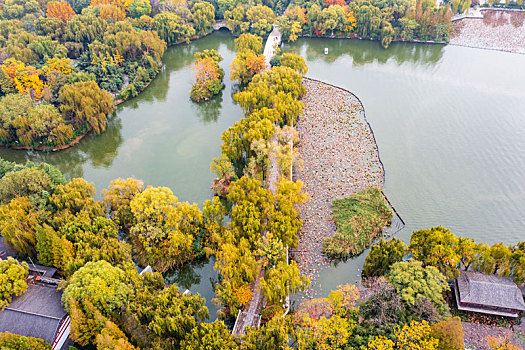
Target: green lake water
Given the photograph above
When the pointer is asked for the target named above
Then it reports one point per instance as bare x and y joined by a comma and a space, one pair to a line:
449, 122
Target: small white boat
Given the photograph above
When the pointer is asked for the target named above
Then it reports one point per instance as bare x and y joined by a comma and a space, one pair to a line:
326, 51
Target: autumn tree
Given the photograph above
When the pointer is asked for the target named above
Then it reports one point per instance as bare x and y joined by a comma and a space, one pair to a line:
166, 317
32, 125
164, 229
449, 333
208, 79
26, 79
13, 276
294, 61
282, 280
292, 22
246, 65
327, 323
210, 336
18, 223
437, 247
85, 105
118, 198
501, 343
249, 42
416, 335
275, 334
60, 10
18, 342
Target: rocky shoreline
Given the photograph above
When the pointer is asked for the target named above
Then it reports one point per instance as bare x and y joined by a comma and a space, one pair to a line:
340, 157
497, 30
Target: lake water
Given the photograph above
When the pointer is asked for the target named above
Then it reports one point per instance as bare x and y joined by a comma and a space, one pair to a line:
449, 122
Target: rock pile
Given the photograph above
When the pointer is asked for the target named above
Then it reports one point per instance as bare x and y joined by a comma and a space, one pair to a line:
498, 30
340, 158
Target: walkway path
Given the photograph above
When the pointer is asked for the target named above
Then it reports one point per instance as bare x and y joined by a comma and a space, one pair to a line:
273, 41
251, 316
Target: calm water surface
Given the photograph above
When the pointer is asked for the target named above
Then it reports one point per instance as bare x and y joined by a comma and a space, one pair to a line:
450, 125
449, 122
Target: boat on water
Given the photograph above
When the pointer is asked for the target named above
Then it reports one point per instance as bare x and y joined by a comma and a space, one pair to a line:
326, 51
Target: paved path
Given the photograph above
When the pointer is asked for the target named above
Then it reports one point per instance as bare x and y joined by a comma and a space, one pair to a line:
273, 41
251, 316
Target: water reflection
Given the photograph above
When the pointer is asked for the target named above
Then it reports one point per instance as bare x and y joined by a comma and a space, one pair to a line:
209, 111
99, 150
197, 277
365, 52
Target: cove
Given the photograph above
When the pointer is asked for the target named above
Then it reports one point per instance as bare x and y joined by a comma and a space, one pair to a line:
449, 122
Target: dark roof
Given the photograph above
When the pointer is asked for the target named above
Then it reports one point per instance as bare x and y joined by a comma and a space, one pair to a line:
36, 313
489, 290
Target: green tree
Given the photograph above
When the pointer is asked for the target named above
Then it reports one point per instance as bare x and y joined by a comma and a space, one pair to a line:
105, 286
382, 256
13, 276
203, 17
261, 19
249, 42
412, 281
29, 182
437, 247
139, 8
172, 28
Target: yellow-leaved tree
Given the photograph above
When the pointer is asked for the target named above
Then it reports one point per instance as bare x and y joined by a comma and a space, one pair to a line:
414, 336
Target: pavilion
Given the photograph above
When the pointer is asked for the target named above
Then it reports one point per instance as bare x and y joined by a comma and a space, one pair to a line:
488, 294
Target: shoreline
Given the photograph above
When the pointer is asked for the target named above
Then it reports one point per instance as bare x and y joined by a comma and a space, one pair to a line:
497, 30
340, 156
49, 149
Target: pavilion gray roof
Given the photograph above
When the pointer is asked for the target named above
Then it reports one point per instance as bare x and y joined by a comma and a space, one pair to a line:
36, 313
490, 290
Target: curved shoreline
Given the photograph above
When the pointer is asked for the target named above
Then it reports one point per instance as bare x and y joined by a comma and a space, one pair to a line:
341, 157
51, 149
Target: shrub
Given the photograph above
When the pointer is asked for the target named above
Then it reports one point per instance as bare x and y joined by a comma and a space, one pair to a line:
360, 219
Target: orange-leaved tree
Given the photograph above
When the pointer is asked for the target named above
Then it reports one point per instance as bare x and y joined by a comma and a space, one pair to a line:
61, 10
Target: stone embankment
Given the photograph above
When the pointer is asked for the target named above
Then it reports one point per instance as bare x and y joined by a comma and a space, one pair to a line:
340, 157
497, 30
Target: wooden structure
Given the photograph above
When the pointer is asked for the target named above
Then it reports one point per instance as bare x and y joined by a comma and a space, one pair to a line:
488, 294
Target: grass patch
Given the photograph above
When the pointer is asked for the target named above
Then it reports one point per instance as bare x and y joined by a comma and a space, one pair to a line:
360, 219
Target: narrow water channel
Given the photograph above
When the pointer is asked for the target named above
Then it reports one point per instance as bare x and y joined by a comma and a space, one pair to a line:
449, 122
